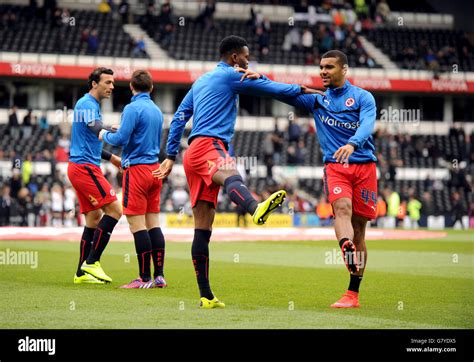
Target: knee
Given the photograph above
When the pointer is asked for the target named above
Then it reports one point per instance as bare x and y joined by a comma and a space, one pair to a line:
115, 210
342, 208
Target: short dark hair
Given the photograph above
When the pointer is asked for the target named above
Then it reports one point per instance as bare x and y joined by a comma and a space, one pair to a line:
231, 43
96, 74
141, 81
340, 56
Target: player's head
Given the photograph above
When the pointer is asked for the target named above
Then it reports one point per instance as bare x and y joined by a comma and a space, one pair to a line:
101, 82
234, 50
333, 68
141, 82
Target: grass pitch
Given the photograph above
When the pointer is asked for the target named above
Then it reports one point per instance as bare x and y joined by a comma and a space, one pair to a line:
408, 284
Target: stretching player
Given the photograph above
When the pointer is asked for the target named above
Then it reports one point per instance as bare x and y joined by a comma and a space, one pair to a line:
96, 196
345, 119
140, 136
213, 101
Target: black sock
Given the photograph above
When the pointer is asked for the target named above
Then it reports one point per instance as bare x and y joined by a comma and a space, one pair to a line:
101, 238
342, 241
157, 250
143, 249
240, 194
86, 244
200, 255
355, 283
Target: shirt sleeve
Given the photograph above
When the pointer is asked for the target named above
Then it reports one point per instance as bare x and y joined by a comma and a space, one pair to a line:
88, 114
180, 118
368, 112
127, 125
262, 86
302, 101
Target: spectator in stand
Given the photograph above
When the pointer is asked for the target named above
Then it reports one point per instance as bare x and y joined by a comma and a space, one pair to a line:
5, 206
13, 123
42, 205
277, 139
27, 169
206, 17
427, 209
15, 183
307, 40
294, 131
302, 7
459, 210
383, 11
57, 201
361, 8
324, 211
263, 43
381, 211
393, 204
104, 7
166, 25
124, 8
402, 212
93, 42
27, 124
292, 40
69, 205
413, 207
140, 49
24, 203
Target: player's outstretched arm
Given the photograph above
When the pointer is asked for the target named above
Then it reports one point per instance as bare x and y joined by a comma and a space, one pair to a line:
122, 135
305, 101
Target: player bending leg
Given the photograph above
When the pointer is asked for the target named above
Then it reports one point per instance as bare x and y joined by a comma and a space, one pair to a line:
212, 101
140, 135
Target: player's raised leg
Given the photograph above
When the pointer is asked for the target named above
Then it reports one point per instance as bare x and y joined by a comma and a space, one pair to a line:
157, 248
238, 192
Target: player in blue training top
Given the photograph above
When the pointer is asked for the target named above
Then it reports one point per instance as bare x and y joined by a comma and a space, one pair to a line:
213, 101
96, 196
140, 136
345, 119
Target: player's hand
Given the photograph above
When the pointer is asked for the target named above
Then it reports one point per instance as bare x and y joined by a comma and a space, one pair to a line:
114, 128
101, 134
250, 74
307, 90
116, 161
164, 169
343, 153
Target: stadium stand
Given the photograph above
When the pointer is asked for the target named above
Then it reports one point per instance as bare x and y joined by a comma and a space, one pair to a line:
93, 33
434, 47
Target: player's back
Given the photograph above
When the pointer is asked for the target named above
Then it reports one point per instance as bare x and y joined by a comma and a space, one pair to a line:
85, 146
143, 146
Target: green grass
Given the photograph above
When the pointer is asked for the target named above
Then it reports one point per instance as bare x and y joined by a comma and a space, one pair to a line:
408, 284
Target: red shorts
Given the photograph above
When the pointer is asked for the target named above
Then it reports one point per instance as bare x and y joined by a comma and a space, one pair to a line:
357, 182
92, 188
141, 191
201, 161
